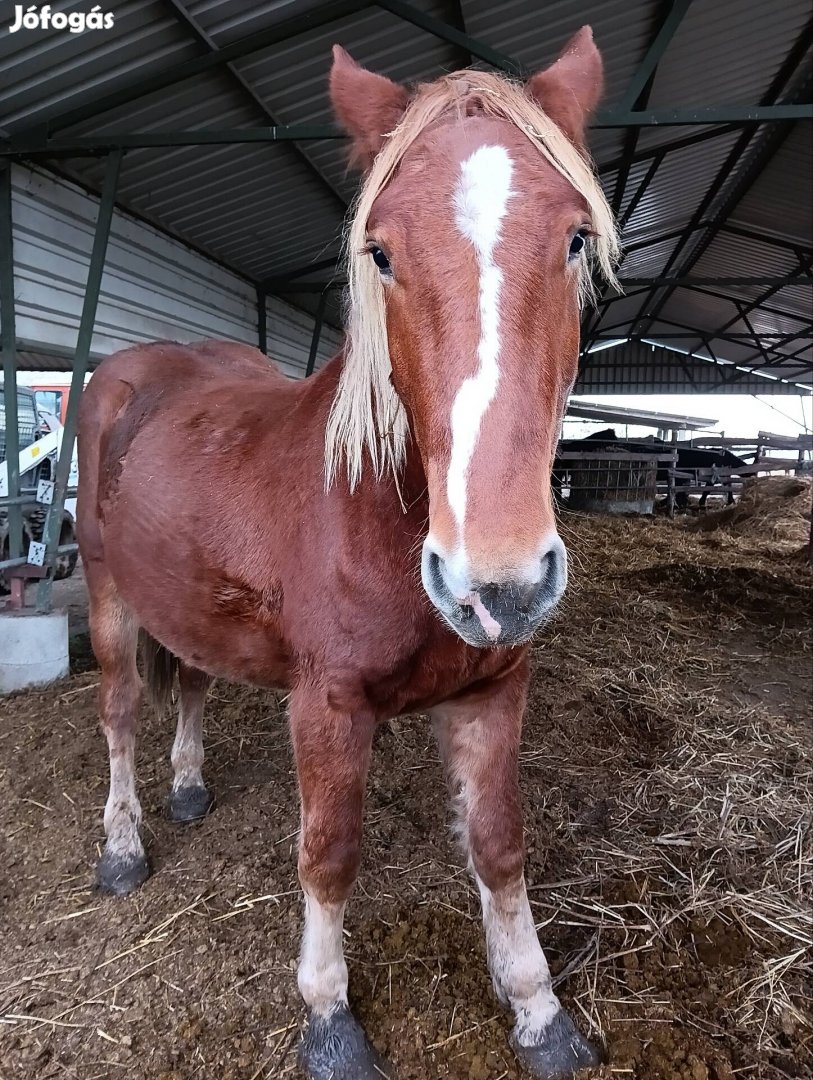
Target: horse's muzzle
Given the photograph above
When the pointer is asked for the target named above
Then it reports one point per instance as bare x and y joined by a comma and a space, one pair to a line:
491, 613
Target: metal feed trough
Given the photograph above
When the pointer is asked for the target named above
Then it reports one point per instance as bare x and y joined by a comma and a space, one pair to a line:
616, 482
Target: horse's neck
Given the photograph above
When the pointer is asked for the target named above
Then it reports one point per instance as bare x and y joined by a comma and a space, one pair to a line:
408, 488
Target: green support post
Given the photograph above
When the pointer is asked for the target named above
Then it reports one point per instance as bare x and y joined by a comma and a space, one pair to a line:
9, 345
317, 333
80, 365
262, 320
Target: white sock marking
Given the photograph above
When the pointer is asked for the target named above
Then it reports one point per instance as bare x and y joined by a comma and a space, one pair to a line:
122, 812
322, 974
480, 201
516, 960
187, 750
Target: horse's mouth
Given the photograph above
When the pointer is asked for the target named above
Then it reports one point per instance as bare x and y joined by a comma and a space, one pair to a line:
487, 618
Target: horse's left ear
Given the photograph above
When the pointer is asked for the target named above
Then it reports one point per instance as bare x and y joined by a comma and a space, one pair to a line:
368, 106
570, 89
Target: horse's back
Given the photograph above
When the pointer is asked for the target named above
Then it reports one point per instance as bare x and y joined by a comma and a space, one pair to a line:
134, 386
166, 365
144, 378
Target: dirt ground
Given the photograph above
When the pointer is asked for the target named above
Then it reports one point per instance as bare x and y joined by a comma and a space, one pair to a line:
668, 789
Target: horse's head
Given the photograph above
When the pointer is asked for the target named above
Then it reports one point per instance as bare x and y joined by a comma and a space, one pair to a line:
467, 262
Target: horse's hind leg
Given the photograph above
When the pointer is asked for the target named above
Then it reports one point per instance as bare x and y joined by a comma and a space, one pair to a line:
114, 635
189, 800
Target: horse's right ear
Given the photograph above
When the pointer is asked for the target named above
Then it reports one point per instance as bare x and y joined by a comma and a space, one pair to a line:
367, 106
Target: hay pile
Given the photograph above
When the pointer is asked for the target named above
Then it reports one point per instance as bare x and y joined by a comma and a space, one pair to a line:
773, 508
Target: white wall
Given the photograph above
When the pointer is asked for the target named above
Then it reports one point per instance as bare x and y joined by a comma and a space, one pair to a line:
290, 331
153, 287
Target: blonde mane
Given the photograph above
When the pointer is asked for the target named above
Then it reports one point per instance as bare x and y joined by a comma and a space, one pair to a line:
366, 412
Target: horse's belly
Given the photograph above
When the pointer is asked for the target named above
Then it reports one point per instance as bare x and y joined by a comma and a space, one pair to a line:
211, 622
236, 649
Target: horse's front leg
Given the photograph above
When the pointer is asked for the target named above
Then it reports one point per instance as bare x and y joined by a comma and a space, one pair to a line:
479, 736
332, 751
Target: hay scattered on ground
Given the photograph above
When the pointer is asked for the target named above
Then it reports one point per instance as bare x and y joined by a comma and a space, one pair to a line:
667, 776
771, 508
710, 830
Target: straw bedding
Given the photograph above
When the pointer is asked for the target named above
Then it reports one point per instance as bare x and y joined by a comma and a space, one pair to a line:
668, 787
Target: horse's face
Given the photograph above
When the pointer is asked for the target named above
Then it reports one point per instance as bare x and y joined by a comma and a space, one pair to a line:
480, 236
478, 243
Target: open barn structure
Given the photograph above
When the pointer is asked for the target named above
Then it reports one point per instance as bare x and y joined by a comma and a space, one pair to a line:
178, 175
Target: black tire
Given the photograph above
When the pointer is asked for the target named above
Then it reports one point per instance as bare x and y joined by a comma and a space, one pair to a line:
66, 564
5, 585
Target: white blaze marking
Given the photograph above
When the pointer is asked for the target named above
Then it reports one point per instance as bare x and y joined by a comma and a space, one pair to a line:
480, 201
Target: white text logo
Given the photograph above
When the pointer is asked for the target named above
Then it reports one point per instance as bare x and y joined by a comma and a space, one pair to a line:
77, 22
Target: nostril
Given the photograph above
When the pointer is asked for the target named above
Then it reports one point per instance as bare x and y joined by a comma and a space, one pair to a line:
550, 572
524, 597
527, 594
434, 572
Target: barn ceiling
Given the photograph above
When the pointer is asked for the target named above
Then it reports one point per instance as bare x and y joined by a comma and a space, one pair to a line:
704, 148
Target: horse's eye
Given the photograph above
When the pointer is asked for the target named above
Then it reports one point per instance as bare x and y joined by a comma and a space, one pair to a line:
381, 260
576, 245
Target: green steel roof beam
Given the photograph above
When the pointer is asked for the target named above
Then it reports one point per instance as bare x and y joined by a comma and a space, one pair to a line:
41, 143
252, 43
453, 36
654, 53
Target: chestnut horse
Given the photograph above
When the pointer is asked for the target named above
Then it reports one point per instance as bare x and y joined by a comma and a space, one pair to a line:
379, 538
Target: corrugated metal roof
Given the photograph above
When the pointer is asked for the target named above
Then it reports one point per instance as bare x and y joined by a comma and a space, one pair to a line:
40, 361
651, 369
727, 52
266, 210
778, 202
51, 70
293, 79
676, 189
649, 260
226, 21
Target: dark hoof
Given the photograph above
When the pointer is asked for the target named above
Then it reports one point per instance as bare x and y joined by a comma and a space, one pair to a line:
335, 1048
563, 1053
121, 875
190, 804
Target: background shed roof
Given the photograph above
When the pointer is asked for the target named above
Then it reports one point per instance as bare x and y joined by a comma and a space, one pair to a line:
698, 202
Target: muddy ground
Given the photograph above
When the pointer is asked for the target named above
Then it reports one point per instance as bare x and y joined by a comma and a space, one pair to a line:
667, 784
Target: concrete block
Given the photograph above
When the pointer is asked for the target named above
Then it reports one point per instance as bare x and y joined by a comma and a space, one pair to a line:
33, 649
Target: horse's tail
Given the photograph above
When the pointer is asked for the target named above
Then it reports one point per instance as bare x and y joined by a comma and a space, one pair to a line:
160, 668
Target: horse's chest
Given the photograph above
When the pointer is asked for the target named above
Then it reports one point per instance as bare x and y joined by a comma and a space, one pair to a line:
439, 669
